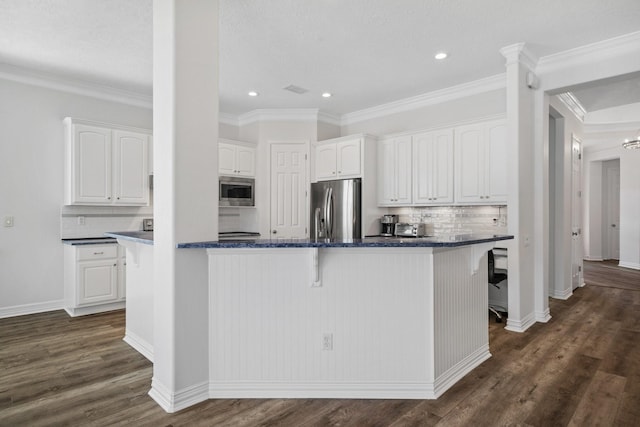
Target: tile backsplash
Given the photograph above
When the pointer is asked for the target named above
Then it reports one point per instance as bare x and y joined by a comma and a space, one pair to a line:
457, 219
237, 219
79, 222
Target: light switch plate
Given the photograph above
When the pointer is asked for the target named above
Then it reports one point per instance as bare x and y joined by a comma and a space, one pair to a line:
8, 221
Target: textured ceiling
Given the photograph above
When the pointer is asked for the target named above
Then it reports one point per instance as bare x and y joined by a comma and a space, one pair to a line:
366, 52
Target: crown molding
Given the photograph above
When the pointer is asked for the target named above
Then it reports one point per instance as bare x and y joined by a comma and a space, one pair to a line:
281, 114
78, 87
573, 104
518, 53
628, 44
228, 119
432, 98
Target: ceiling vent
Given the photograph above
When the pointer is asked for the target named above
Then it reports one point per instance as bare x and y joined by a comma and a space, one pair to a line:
296, 89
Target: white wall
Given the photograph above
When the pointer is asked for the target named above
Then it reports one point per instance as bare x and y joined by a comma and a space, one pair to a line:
263, 133
560, 284
31, 188
608, 147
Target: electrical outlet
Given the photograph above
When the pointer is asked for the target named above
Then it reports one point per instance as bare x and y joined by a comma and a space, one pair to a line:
327, 342
80, 220
8, 221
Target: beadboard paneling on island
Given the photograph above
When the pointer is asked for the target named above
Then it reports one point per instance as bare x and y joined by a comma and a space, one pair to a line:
364, 327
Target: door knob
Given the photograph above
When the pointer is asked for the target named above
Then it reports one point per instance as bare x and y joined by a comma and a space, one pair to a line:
613, 225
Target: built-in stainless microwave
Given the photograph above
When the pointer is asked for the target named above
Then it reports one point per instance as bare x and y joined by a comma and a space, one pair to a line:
237, 191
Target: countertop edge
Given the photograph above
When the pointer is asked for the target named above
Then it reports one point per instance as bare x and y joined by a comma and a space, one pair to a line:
371, 243
144, 237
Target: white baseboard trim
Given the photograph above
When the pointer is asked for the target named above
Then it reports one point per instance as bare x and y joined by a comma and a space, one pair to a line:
588, 258
140, 345
348, 390
632, 265
176, 401
564, 295
521, 325
543, 316
93, 309
454, 374
321, 390
23, 310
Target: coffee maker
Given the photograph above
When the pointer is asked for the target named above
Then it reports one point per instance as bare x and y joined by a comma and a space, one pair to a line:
388, 224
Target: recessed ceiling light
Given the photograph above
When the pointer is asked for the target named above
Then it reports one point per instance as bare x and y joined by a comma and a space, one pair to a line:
326, 95
441, 55
253, 93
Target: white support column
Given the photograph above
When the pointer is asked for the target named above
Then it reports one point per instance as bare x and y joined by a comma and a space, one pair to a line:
521, 201
185, 121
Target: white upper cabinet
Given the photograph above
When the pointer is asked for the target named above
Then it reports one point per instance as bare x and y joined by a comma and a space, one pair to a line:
131, 168
236, 158
338, 159
433, 167
480, 163
105, 165
394, 171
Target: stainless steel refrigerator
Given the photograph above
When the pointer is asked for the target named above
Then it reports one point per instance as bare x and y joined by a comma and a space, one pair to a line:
336, 209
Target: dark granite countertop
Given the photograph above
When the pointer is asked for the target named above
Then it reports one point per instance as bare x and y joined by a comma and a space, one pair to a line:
145, 237
445, 241
367, 242
90, 241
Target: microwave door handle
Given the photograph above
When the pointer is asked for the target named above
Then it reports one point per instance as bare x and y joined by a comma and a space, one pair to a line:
329, 213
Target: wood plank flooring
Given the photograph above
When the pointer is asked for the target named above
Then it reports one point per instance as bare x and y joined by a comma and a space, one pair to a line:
581, 368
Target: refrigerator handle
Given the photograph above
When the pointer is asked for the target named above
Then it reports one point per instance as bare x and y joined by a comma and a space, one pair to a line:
328, 216
318, 224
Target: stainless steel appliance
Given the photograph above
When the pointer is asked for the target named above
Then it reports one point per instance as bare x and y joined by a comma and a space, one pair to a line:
147, 224
404, 229
335, 209
236, 191
388, 225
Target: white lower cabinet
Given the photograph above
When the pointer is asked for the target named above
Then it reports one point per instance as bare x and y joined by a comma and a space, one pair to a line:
94, 278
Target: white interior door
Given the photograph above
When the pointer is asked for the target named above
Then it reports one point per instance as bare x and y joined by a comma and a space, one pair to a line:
289, 190
576, 213
612, 208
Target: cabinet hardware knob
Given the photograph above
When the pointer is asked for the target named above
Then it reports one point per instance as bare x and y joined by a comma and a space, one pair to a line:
275, 231
108, 198
114, 265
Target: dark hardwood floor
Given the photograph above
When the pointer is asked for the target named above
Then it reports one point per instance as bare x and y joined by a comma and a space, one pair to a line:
581, 368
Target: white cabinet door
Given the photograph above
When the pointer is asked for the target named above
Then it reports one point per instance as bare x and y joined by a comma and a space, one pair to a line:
386, 172
226, 159
97, 281
326, 161
131, 168
394, 171
480, 170
338, 160
403, 170
91, 157
433, 168
246, 161
348, 158
236, 160
496, 162
105, 165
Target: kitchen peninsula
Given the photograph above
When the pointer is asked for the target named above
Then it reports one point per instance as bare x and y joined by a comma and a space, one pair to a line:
365, 318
